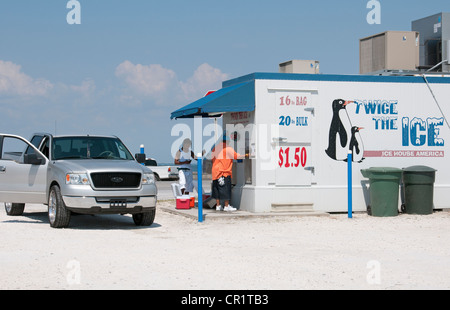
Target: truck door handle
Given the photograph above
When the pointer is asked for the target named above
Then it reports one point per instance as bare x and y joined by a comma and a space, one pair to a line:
2, 168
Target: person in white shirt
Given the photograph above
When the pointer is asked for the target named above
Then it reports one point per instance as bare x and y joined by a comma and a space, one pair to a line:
183, 159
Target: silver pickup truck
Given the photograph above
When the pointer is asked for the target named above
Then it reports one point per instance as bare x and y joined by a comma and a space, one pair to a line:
80, 174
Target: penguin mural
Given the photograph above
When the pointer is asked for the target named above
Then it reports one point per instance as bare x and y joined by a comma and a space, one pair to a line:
356, 145
340, 127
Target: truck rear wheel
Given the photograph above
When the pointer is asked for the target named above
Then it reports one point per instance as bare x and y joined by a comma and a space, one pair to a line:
58, 215
14, 209
144, 219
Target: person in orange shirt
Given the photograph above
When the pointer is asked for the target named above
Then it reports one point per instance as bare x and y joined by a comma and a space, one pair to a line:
222, 164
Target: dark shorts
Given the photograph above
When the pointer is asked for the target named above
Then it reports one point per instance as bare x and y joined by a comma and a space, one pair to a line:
222, 192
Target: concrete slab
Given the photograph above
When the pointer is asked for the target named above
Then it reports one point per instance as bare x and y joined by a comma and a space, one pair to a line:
212, 214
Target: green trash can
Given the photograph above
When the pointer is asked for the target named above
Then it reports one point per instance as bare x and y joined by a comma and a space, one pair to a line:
418, 183
384, 190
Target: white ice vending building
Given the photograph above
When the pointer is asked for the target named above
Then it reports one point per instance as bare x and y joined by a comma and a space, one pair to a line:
299, 128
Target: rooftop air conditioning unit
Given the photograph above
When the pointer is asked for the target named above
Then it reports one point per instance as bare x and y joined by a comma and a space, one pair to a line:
300, 66
390, 50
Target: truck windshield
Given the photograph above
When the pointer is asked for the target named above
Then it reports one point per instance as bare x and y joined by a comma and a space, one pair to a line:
89, 147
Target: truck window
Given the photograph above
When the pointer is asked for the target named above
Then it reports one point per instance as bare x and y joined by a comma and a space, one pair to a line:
45, 148
81, 147
36, 141
121, 149
151, 163
14, 148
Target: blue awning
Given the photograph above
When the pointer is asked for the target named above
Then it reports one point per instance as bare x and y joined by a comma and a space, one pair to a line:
236, 98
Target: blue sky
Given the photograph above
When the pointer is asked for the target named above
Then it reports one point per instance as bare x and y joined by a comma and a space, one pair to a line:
129, 64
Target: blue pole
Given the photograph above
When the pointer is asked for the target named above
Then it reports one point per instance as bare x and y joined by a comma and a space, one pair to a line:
350, 184
200, 189
142, 152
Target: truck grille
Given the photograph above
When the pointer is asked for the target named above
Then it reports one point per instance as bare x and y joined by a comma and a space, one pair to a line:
116, 180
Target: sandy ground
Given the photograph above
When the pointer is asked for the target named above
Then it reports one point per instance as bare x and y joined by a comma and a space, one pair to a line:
289, 253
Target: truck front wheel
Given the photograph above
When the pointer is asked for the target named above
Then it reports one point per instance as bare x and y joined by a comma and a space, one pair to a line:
144, 219
58, 215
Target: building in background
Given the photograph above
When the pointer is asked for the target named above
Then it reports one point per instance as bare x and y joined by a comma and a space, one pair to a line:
424, 49
434, 41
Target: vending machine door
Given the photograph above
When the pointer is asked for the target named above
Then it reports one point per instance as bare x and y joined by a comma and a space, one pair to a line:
295, 119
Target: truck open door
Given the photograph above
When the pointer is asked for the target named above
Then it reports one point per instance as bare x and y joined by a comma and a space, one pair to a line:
23, 172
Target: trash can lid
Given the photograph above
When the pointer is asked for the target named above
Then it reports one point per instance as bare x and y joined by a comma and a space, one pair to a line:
384, 169
419, 169
382, 173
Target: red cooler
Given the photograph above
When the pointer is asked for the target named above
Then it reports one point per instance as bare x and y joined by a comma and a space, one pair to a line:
183, 203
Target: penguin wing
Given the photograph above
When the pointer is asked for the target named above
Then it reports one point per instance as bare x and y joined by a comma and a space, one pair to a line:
341, 152
343, 135
345, 127
356, 146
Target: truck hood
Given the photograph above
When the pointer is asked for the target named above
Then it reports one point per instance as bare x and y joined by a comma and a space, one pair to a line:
101, 165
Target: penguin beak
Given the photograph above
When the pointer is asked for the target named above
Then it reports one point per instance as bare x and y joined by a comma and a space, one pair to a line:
348, 102
360, 128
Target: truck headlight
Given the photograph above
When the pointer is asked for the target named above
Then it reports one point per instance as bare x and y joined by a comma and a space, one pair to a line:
148, 178
77, 179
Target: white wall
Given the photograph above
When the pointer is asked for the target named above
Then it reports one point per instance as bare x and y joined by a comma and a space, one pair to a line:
381, 108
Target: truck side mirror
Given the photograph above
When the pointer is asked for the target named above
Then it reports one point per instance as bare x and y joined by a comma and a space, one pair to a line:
140, 158
33, 159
